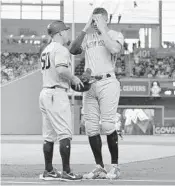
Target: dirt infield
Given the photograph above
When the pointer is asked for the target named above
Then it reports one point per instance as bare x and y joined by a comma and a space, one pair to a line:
158, 171
144, 161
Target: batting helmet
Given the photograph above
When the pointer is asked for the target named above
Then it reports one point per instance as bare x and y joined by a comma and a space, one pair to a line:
86, 87
56, 27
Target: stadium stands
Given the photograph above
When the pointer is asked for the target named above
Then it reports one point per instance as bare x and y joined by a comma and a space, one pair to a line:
80, 67
155, 68
15, 65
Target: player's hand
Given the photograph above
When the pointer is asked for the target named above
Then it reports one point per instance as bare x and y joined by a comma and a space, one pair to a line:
88, 24
100, 22
86, 76
77, 82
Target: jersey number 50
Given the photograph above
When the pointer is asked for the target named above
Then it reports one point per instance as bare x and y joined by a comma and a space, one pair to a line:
45, 61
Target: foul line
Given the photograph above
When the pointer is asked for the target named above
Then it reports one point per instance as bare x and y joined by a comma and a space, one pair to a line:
119, 180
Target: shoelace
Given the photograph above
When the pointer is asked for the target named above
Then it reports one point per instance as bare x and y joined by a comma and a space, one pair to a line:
72, 174
55, 170
114, 169
96, 169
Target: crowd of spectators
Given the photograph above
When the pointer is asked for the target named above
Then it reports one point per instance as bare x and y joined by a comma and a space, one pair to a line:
15, 65
120, 66
79, 69
154, 67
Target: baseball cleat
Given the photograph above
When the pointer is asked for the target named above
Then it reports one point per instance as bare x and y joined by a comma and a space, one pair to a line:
114, 173
50, 176
70, 177
98, 173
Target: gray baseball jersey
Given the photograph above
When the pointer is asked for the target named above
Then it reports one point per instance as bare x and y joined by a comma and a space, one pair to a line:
53, 56
54, 102
97, 57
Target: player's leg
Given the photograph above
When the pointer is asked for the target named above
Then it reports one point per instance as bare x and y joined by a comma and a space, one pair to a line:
48, 145
60, 115
49, 136
91, 117
109, 92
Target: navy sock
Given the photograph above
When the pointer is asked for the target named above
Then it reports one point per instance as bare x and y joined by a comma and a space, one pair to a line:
48, 155
96, 145
112, 140
65, 148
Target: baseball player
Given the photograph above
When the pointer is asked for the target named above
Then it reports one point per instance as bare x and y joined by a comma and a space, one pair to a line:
54, 101
101, 45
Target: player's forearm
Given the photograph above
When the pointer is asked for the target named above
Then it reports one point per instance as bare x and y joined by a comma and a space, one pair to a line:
113, 46
65, 72
76, 44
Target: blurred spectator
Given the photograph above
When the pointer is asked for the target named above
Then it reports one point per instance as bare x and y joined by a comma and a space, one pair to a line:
14, 65
173, 74
120, 67
80, 68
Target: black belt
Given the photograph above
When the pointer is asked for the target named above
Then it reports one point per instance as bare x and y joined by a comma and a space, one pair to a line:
56, 86
101, 76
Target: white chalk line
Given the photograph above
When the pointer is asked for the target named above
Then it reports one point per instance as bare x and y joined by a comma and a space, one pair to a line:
119, 180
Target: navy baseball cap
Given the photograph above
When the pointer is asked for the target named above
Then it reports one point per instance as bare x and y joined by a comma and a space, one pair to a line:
56, 27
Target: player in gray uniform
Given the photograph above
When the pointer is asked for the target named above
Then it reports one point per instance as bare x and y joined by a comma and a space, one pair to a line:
54, 101
101, 45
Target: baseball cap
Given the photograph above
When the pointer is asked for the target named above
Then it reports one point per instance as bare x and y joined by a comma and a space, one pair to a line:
56, 27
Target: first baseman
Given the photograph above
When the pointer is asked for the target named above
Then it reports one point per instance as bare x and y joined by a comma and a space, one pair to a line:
54, 101
101, 45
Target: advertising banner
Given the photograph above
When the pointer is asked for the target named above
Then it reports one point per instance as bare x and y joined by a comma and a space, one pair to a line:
168, 128
135, 88
147, 88
139, 120
164, 130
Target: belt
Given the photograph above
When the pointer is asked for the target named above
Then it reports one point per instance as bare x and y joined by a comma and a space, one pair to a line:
56, 86
102, 76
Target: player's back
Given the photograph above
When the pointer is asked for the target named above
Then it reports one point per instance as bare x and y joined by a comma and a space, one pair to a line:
50, 74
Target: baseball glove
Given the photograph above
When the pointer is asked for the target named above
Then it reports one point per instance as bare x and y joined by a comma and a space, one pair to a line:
85, 78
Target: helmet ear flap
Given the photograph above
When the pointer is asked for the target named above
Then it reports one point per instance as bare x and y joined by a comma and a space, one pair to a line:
49, 32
